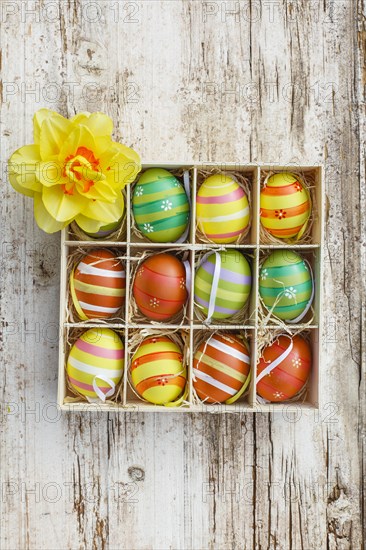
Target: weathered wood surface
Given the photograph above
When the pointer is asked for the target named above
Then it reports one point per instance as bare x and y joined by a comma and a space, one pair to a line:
186, 80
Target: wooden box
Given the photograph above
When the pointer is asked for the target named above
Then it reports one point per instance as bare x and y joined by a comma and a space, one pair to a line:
253, 245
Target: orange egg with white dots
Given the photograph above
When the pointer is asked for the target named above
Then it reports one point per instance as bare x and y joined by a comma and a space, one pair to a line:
291, 358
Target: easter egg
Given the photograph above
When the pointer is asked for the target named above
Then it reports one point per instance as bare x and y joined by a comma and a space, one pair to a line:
105, 230
222, 209
160, 206
291, 373
286, 283
221, 367
98, 285
234, 283
285, 206
95, 363
157, 371
159, 287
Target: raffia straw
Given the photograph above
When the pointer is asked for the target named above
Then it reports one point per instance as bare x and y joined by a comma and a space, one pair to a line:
72, 261
309, 183
179, 337
266, 338
266, 316
244, 183
120, 234
205, 336
238, 318
178, 173
73, 334
134, 314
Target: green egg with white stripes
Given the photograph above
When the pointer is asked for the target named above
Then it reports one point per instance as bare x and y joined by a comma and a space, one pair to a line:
286, 285
160, 206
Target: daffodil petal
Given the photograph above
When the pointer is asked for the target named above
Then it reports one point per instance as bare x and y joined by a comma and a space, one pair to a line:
80, 136
104, 211
13, 179
87, 224
50, 173
99, 124
101, 191
38, 118
62, 206
129, 153
44, 220
54, 132
80, 117
22, 169
121, 172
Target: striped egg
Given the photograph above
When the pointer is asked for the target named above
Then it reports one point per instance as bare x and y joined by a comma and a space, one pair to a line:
234, 283
95, 363
160, 206
221, 368
292, 372
286, 283
222, 209
157, 371
159, 287
285, 206
97, 285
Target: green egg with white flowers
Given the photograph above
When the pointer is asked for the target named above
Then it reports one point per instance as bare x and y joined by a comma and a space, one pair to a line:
286, 284
160, 206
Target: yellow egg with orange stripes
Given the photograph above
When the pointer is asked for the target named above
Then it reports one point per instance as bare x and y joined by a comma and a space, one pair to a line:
95, 363
98, 285
157, 371
222, 209
221, 368
285, 206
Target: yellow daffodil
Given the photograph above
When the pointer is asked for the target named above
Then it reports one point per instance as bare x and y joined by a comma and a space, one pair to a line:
74, 171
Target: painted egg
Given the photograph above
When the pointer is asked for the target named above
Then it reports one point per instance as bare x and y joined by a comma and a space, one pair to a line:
98, 285
159, 287
285, 206
105, 230
234, 283
292, 372
160, 206
95, 363
157, 370
221, 368
286, 283
222, 209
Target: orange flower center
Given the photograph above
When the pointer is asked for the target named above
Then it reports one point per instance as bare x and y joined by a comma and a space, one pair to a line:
82, 170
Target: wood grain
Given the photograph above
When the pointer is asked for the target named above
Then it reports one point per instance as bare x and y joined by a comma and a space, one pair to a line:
281, 82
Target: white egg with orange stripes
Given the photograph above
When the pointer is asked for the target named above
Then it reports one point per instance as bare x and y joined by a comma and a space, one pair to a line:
95, 364
98, 285
221, 368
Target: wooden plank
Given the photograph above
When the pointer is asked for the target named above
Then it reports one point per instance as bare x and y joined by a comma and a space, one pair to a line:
296, 71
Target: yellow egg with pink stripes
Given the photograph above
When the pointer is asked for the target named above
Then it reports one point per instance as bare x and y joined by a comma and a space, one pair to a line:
95, 363
285, 206
157, 371
222, 209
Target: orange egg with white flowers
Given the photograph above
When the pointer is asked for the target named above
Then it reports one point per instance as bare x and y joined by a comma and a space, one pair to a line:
290, 358
159, 287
